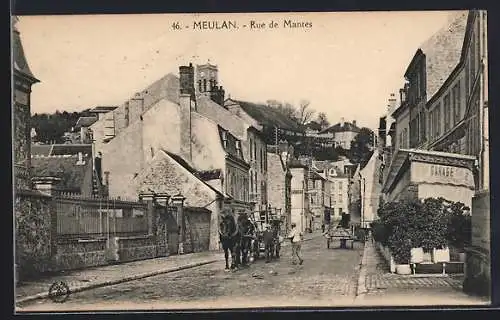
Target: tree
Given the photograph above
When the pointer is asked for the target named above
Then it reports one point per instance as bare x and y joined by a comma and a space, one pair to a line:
361, 147
323, 120
301, 115
304, 113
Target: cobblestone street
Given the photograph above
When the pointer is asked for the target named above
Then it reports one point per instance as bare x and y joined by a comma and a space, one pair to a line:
328, 277
387, 289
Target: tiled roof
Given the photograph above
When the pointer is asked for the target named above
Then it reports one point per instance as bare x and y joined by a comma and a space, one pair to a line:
268, 116
85, 122
316, 176
321, 165
313, 125
231, 143
19, 59
191, 170
71, 149
342, 128
103, 109
443, 51
206, 175
72, 175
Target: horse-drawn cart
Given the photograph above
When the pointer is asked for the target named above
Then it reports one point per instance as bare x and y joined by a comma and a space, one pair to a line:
274, 244
341, 234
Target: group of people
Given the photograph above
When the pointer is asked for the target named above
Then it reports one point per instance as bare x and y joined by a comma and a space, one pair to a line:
295, 237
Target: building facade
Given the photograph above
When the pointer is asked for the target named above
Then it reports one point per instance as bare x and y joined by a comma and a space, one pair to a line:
23, 79
343, 134
300, 211
280, 187
164, 117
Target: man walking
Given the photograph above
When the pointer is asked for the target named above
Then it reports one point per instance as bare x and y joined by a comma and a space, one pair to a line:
268, 243
295, 237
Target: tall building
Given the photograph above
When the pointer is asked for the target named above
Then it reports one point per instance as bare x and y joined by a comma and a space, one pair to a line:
23, 79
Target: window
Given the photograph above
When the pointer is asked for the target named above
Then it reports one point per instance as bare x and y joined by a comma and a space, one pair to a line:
251, 181
340, 186
251, 149
199, 85
127, 113
340, 212
447, 113
456, 103
340, 198
422, 125
204, 85
261, 161
436, 121
254, 150
472, 58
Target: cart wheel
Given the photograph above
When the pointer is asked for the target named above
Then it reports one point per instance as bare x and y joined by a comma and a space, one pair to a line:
59, 292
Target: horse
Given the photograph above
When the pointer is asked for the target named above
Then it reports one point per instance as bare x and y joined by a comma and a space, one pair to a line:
247, 236
230, 238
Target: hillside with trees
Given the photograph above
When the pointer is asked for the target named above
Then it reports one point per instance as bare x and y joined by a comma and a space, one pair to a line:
50, 127
361, 148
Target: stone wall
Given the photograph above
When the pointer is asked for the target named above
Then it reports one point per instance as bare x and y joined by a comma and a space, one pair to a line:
197, 228
34, 235
78, 254
136, 248
478, 256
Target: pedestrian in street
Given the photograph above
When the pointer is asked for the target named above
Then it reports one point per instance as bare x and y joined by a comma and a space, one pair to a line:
323, 228
268, 242
295, 237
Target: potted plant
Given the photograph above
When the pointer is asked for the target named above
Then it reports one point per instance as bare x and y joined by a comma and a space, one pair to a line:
459, 228
401, 250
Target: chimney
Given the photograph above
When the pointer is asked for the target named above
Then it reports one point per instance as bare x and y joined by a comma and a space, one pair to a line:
187, 79
392, 101
354, 122
342, 121
185, 100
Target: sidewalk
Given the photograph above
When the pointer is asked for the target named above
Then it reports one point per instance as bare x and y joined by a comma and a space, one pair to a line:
80, 280
377, 286
113, 274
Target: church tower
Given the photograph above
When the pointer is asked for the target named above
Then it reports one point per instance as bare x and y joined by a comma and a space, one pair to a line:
206, 78
207, 83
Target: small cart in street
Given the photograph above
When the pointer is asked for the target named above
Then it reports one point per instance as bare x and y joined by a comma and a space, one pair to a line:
340, 234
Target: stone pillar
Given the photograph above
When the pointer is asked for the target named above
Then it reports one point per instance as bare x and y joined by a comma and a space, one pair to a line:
46, 185
178, 201
160, 230
148, 198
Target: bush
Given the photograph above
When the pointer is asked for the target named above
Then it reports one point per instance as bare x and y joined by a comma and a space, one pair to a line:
431, 223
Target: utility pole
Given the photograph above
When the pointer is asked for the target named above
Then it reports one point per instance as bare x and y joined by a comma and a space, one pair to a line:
276, 139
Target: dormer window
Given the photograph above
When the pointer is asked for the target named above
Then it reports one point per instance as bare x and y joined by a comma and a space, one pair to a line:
332, 172
224, 138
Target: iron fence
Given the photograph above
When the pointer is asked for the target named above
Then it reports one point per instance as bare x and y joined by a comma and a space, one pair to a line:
79, 217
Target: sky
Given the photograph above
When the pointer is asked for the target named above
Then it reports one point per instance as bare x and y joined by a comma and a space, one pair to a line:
346, 64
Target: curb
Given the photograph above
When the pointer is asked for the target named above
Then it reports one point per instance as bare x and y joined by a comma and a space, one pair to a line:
361, 288
44, 295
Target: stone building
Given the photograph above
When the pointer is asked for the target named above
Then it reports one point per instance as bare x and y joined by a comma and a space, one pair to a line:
23, 79
343, 133
279, 187
370, 189
299, 211
319, 197
164, 117
269, 127
210, 103
338, 175
446, 153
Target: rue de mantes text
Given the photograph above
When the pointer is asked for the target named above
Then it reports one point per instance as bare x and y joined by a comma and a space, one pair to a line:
251, 25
